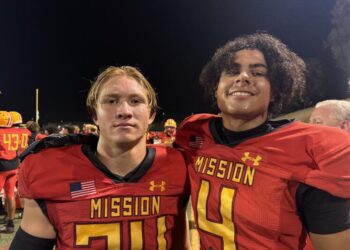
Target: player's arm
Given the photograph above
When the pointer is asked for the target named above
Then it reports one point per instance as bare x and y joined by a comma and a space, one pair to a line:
326, 217
36, 232
181, 235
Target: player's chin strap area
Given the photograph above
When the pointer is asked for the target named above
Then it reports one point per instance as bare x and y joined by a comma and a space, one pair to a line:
57, 140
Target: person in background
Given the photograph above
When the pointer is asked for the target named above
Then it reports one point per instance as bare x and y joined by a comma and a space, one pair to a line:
9, 144
334, 113
89, 129
166, 137
114, 193
76, 129
51, 129
23, 132
5, 122
23, 137
169, 133
60, 129
34, 129
70, 129
258, 183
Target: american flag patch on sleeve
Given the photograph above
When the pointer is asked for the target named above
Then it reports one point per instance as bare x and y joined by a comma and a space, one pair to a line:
82, 188
196, 141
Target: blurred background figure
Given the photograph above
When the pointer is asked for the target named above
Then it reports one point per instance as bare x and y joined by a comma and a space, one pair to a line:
170, 129
9, 145
333, 113
166, 137
89, 129
5, 122
34, 129
69, 129
22, 137
51, 129
76, 129
66, 130
16, 118
23, 132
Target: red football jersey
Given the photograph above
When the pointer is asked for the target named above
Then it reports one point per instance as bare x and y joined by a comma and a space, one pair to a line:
91, 211
10, 142
244, 196
24, 134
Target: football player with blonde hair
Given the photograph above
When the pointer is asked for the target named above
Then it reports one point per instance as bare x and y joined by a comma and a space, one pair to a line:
115, 193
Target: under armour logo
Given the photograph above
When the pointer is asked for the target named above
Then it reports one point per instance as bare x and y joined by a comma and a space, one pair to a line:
154, 186
254, 160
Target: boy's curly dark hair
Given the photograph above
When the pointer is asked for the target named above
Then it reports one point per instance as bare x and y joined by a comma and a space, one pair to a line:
286, 70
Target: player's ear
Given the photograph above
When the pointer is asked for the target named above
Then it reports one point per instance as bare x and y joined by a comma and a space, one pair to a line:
152, 116
94, 119
92, 113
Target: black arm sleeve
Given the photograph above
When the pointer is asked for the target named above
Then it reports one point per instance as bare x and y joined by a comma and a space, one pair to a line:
25, 241
321, 212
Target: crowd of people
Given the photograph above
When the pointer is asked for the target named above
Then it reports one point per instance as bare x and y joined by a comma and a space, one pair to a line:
254, 183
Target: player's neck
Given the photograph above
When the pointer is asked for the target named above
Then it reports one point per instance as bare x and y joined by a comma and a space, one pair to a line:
121, 159
238, 124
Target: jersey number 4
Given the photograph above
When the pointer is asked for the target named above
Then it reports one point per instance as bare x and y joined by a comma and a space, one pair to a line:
224, 229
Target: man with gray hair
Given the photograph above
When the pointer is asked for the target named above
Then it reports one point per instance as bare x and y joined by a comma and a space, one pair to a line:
334, 113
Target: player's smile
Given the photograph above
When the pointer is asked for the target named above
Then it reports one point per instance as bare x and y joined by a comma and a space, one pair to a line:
240, 94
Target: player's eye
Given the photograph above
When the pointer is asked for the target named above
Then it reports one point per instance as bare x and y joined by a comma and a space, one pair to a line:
135, 101
258, 73
109, 101
232, 72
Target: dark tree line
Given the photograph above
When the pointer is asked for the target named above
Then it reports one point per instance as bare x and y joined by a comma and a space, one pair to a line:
328, 75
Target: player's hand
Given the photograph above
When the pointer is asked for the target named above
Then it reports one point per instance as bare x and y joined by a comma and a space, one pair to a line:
57, 140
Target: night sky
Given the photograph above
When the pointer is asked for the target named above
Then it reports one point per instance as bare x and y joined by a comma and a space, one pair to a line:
60, 46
